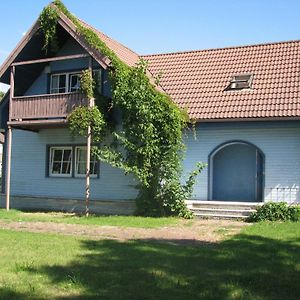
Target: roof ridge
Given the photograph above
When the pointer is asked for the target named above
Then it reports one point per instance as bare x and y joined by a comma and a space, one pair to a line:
222, 48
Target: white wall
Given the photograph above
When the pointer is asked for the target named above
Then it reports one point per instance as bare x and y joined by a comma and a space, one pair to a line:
29, 163
279, 141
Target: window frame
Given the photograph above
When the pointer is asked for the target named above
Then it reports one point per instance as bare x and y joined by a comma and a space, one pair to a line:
76, 174
48, 165
51, 81
234, 80
68, 81
100, 82
51, 161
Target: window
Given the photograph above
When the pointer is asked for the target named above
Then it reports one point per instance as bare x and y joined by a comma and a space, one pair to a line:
64, 83
70, 82
97, 75
74, 82
58, 83
240, 82
80, 165
60, 161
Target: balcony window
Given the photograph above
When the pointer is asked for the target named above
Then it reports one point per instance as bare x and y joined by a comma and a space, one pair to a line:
58, 83
70, 82
74, 80
64, 83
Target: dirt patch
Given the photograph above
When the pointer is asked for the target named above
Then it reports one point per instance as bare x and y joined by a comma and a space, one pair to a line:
186, 232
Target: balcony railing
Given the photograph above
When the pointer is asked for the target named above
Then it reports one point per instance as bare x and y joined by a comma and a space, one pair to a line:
48, 106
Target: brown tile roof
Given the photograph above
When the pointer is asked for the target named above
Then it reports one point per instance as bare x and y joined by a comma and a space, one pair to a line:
197, 80
125, 54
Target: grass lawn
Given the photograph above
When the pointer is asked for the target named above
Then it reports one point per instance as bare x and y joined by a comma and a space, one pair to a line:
262, 262
120, 221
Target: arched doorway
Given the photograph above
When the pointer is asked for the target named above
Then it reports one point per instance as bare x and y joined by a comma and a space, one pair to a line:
236, 172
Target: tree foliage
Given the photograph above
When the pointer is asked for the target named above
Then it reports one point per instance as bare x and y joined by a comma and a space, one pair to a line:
147, 142
1, 95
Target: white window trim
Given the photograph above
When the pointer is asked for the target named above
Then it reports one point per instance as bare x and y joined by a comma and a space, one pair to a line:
83, 175
51, 162
68, 74
56, 74
70, 81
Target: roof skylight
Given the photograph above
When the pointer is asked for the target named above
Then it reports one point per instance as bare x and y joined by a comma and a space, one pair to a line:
240, 82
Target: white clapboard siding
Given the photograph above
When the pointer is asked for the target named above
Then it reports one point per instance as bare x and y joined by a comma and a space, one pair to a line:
29, 170
279, 141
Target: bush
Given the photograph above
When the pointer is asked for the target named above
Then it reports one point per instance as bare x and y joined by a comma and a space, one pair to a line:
276, 211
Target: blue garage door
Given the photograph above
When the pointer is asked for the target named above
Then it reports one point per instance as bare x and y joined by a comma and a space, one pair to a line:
237, 173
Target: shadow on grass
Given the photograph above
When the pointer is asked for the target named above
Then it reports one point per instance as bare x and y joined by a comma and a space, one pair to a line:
244, 267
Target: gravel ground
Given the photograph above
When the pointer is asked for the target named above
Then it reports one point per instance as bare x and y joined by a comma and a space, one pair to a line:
186, 232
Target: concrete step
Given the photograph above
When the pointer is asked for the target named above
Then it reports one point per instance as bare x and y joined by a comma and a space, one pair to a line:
223, 205
223, 211
228, 207
219, 216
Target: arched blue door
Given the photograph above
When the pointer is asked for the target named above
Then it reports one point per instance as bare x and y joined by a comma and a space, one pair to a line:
237, 173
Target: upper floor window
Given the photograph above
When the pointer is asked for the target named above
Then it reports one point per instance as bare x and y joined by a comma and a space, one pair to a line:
97, 76
64, 83
74, 85
70, 82
58, 83
240, 82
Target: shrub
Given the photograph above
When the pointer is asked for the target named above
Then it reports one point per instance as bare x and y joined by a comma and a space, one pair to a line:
276, 211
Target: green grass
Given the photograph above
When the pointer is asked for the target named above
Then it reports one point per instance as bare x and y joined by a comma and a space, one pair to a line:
262, 262
120, 221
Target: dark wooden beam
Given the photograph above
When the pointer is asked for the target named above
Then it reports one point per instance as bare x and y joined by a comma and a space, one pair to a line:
44, 60
26, 129
38, 123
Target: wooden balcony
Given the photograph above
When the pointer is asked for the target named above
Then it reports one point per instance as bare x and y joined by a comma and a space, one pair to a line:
44, 109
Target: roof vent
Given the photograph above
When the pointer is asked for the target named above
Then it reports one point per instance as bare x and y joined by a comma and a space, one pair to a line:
240, 82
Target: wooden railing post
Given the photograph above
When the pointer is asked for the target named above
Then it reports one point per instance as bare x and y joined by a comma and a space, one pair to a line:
11, 91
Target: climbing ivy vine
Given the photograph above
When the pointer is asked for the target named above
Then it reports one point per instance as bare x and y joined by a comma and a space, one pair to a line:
48, 26
145, 139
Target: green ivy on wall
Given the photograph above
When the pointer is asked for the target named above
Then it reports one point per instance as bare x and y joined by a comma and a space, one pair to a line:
149, 142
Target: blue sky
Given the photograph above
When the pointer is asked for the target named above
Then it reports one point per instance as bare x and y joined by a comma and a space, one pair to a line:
153, 26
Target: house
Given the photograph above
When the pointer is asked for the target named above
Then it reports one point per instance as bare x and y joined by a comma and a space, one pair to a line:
245, 101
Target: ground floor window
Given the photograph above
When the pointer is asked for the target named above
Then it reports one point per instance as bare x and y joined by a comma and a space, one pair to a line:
80, 158
61, 161
70, 161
